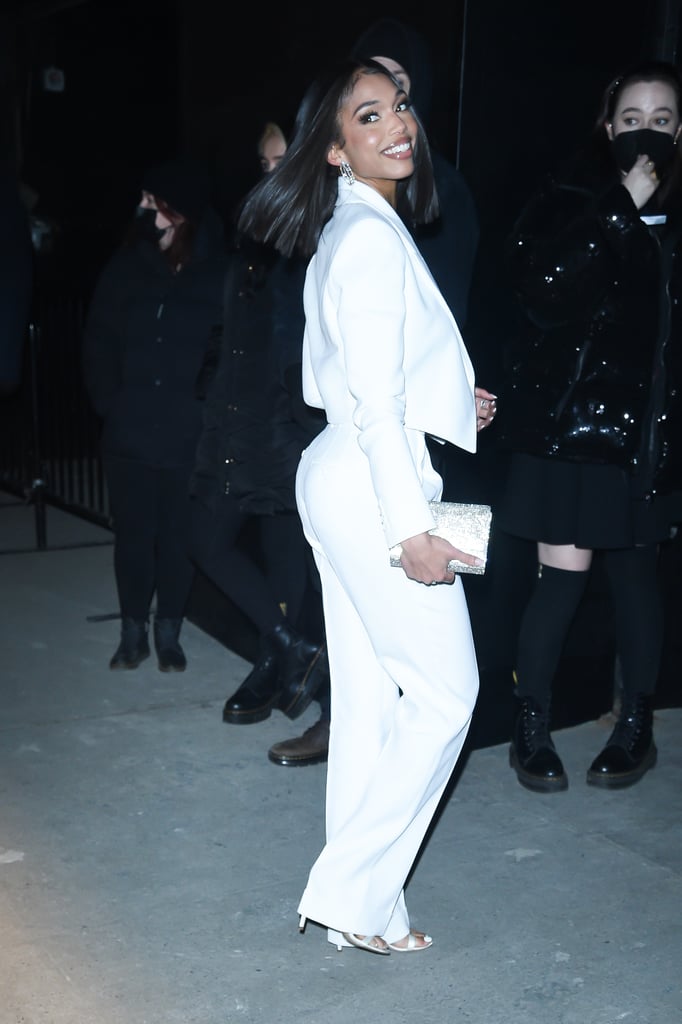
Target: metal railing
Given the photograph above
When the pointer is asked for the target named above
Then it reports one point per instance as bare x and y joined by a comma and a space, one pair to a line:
49, 433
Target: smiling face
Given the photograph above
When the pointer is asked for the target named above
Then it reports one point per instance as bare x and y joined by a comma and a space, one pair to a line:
378, 132
646, 105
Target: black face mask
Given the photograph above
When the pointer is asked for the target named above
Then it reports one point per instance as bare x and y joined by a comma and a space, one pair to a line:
658, 146
145, 225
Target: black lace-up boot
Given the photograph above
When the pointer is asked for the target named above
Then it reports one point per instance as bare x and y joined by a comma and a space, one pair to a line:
166, 641
287, 675
630, 750
134, 645
532, 754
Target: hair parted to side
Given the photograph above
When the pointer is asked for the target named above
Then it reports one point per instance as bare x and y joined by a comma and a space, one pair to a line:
289, 207
179, 251
646, 71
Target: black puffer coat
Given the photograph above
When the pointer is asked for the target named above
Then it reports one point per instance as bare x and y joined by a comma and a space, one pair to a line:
145, 341
596, 376
255, 423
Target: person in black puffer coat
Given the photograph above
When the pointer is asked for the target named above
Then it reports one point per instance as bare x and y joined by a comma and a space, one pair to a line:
145, 338
592, 409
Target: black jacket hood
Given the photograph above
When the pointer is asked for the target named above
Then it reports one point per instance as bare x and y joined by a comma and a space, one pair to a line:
388, 37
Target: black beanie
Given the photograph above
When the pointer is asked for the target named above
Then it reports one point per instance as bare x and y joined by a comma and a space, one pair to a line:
388, 37
183, 184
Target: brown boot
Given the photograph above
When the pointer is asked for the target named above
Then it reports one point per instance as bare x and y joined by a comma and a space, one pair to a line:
310, 748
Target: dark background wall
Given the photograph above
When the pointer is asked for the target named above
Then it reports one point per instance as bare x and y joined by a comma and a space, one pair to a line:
516, 87
143, 80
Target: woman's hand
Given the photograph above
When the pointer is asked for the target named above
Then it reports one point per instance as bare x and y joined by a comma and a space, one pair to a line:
486, 407
641, 180
425, 559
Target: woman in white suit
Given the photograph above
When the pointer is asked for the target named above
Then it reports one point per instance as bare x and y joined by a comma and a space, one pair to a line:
383, 356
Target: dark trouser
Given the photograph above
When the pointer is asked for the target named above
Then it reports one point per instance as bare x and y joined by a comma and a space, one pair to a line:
314, 616
638, 615
257, 584
150, 508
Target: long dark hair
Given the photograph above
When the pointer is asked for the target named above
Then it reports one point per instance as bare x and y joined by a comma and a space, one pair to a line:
290, 206
181, 249
179, 252
647, 71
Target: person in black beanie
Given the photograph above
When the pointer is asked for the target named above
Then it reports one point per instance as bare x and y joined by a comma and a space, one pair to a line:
146, 332
448, 245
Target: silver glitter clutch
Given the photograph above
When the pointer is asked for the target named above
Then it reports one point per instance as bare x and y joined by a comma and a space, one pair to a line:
465, 526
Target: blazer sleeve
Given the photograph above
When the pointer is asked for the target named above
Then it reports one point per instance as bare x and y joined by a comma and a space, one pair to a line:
368, 275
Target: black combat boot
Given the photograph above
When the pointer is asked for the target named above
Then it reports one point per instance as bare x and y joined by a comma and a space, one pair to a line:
630, 750
134, 645
304, 670
168, 650
532, 753
286, 675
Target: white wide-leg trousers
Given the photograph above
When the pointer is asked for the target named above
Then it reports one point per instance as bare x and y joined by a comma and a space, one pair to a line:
404, 682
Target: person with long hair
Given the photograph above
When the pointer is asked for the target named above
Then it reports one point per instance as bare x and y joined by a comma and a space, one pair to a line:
448, 244
384, 358
592, 411
147, 328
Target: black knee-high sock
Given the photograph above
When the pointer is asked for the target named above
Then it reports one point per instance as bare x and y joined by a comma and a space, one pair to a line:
638, 613
544, 628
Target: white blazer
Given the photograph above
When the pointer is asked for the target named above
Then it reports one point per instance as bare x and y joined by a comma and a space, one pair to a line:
382, 350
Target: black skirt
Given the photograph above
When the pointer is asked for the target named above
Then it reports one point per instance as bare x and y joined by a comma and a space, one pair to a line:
591, 506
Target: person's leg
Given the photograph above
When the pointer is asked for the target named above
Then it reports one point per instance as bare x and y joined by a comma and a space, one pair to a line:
174, 569
404, 682
216, 524
562, 577
312, 746
638, 610
285, 551
390, 756
287, 670
132, 490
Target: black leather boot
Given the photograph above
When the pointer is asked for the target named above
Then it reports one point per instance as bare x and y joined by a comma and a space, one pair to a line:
304, 670
532, 753
134, 645
286, 675
168, 650
630, 750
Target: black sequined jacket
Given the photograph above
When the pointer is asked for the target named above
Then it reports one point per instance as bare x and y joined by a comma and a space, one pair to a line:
595, 371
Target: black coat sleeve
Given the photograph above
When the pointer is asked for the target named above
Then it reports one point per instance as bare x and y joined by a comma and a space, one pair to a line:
102, 351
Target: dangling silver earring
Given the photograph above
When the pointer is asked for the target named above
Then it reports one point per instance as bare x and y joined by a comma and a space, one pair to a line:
346, 172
